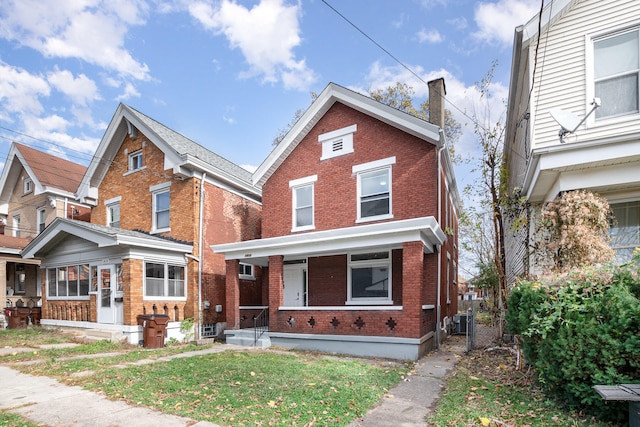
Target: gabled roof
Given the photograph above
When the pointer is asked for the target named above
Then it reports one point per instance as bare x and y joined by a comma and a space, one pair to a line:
182, 155
330, 95
551, 12
101, 235
50, 174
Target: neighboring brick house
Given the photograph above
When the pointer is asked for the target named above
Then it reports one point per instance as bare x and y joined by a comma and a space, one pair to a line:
356, 201
35, 188
557, 138
157, 200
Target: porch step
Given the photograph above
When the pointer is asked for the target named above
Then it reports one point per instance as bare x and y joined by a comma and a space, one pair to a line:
246, 338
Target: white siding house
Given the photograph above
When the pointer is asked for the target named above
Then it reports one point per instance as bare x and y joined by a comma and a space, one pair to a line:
573, 52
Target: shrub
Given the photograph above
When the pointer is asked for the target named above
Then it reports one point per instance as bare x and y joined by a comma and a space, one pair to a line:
579, 330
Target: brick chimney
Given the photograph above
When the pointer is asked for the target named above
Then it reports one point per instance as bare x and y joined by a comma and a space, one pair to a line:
437, 92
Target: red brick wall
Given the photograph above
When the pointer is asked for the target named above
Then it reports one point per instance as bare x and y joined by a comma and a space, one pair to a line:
414, 176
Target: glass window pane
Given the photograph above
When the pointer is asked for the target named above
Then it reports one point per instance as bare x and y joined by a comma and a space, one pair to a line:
162, 201
73, 280
616, 55
62, 281
52, 282
375, 182
374, 206
370, 282
304, 196
84, 279
162, 220
304, 217
618, 95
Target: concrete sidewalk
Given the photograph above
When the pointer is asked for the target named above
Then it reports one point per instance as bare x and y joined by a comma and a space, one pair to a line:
48, 402
409, 403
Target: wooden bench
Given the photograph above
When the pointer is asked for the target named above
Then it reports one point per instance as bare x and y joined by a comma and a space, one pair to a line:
625, 393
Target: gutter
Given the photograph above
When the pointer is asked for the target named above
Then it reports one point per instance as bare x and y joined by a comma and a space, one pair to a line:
443, 145
200, 242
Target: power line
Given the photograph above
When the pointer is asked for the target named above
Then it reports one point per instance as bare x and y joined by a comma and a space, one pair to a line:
402, 64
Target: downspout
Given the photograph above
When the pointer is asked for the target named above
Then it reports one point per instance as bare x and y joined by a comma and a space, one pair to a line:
200, 241
443, 145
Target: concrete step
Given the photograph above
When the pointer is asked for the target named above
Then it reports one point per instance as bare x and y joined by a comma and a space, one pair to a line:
246, 338
96, 334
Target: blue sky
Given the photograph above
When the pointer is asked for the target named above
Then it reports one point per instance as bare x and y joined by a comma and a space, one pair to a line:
230, 74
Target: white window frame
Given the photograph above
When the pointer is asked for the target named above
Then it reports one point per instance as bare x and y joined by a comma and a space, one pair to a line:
58, 274
369, 263
16, 225
135, 161
165, 289
591, 40
27, 186
338, 142
616, 245
375, 166
19, 286
247, 271
157, 190
110, 205
295, 185
41, 219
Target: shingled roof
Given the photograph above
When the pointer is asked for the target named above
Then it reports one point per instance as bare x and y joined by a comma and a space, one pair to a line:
52, 171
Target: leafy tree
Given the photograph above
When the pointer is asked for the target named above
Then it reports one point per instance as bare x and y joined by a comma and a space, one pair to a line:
401, 97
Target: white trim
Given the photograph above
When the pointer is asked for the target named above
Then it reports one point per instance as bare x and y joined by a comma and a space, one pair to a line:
342, 136
369, 263
303, 181
382, 235
344, 308
337, 133
374, 165
113, 200
166, 265
159, 187
156, 190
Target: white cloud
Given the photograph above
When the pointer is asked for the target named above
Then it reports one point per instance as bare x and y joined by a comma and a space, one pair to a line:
129, 92
54, 128
20, 91
80, 89
266, 34
429, 36
497, 21
91, 30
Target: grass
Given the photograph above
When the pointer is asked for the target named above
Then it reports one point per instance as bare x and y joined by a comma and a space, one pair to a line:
486, 390
8, 419
32, 336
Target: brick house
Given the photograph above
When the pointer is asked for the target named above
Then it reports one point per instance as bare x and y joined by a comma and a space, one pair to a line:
35, 188
157, 200
356, 201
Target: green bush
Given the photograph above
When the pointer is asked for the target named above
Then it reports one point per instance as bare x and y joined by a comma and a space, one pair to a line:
580, 330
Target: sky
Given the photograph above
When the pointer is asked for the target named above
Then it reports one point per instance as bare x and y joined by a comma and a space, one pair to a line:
230, 74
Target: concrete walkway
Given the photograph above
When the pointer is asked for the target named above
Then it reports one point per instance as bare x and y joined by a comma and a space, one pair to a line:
411, 401
48, 402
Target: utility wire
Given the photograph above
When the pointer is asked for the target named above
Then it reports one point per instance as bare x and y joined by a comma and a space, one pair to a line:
402, 64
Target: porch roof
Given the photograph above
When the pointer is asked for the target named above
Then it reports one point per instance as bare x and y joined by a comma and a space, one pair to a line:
380, 235
101, 235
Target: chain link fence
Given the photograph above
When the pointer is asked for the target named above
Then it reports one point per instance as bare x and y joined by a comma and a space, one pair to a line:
479, 326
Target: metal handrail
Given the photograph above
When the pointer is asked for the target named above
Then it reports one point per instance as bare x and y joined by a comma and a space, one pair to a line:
260, 325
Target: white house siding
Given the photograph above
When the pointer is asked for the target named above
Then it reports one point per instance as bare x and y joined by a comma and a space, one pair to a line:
561, 72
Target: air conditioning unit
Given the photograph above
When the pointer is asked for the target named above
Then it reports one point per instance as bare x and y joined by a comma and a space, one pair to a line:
461, 322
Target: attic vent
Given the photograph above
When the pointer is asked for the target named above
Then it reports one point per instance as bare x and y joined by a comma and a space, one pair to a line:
337, 142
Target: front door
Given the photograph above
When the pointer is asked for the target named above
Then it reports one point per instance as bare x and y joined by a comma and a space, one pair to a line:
106, 294
295, 285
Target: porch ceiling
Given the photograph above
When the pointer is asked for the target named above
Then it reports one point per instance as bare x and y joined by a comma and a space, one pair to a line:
370, 236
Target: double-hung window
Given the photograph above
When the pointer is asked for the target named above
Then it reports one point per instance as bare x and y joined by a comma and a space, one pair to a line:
625, 229
28, 186
135, 161
616, 65
374, 190
42, 218
16, 226
369, 278
161, 207
113, 212
303, 194
164, 280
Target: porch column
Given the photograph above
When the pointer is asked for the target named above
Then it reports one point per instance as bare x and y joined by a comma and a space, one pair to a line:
412, 284
233, 294
276, 288
3, 282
